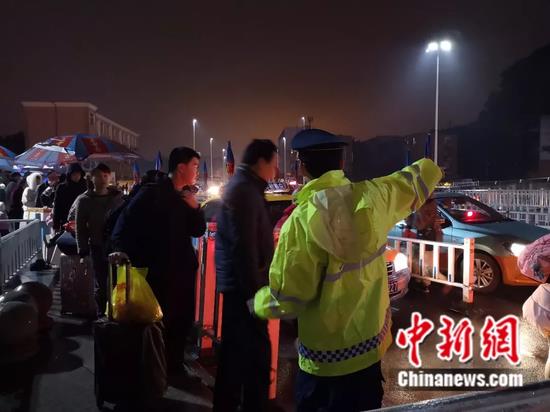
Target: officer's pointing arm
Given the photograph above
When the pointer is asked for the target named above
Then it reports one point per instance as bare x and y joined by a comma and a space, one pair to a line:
403, 192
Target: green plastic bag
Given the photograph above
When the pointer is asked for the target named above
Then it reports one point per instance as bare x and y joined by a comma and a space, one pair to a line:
142, 306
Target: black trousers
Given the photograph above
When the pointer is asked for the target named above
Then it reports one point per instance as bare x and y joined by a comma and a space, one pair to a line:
359, 391
242, 380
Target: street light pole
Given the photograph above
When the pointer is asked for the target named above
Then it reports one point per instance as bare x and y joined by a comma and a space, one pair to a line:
436, 134
284, 157
437, 47
194, 133
303, 122
211, 159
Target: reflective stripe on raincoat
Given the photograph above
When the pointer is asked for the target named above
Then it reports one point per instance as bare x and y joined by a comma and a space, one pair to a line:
329, 271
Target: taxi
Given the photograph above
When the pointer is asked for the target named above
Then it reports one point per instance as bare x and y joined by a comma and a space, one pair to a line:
279, 204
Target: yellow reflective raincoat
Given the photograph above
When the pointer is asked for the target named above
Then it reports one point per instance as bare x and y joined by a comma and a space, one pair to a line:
329, 270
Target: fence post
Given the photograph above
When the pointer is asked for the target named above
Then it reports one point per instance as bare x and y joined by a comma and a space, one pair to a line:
468, 271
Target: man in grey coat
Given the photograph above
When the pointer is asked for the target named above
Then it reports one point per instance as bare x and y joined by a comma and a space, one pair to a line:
92, 209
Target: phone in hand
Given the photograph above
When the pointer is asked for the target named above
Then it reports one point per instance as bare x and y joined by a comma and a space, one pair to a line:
189, 189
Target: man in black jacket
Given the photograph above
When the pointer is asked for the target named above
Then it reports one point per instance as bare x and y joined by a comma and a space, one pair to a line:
244, 249
66, 194
154, 230
46, 191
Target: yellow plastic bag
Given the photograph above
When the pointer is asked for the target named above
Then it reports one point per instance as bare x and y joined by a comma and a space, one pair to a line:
142, 306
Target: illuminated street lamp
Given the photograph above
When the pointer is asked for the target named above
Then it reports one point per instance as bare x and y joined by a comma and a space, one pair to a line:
436, 47
303, 122
194, 133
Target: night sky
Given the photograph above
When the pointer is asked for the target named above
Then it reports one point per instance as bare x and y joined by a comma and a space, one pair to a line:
247, 69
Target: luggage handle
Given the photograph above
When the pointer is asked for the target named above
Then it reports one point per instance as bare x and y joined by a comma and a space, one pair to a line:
110, 288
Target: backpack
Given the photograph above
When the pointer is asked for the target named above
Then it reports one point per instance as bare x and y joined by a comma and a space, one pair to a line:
110, 223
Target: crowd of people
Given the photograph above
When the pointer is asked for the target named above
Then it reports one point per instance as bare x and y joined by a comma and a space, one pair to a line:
327, 269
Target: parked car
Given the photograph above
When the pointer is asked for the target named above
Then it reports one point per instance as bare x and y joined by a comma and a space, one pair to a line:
498, 240
397, 267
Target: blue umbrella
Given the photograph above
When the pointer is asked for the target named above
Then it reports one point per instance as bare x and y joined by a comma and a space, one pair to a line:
61, 150
5, 152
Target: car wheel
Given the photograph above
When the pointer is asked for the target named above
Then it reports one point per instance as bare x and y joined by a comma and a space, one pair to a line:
487, 275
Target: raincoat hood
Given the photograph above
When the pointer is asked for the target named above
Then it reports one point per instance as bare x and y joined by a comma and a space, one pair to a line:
34, 180
334, 215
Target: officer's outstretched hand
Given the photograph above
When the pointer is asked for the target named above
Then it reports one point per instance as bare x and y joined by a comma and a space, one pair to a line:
118, 258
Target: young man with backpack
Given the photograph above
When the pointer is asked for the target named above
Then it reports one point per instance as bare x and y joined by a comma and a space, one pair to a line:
154, 231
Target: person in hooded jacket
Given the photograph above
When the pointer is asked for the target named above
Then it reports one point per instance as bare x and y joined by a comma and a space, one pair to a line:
46, 191
66, 194
15, 210
30, 194
14, 179
328, 271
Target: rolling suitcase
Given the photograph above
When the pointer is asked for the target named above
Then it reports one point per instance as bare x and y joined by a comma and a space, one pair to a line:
77, 286
130, 361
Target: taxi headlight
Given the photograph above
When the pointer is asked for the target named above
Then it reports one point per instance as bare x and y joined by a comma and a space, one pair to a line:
400, 262
517, 248
214, 191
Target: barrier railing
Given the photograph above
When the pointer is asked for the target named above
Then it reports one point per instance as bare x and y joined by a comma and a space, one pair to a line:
512, 199
529, 206
419, 259
18, 247
533, 218
209, 308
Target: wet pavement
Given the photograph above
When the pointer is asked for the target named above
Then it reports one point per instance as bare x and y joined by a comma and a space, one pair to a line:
440, 301
60, 378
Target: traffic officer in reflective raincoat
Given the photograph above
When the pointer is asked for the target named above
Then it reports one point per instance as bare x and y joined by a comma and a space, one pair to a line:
329, 272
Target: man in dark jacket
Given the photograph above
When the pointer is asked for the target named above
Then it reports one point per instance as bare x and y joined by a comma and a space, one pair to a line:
244, 249
14, 180
66, 194
15, 210
155, 231
46, 191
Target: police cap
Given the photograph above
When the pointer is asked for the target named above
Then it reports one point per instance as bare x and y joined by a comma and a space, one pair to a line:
311, 139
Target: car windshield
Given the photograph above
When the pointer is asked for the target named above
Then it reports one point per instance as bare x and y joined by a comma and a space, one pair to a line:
467, 210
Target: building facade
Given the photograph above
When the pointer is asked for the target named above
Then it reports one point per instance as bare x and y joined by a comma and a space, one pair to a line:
47, 119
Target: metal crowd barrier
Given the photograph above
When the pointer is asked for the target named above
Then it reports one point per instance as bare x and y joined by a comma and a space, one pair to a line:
529, 206
18, 247
209, 306
533, 218
415, 250
512, 199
